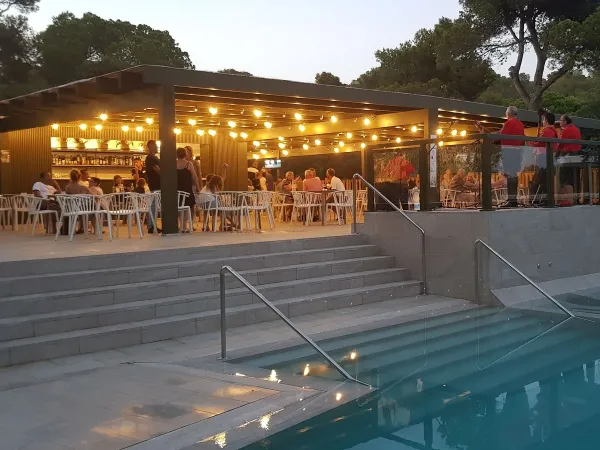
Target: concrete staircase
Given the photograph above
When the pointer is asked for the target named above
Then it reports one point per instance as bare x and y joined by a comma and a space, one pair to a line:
70, 306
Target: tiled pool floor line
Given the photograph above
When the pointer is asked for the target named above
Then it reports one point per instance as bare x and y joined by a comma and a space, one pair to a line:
176, 394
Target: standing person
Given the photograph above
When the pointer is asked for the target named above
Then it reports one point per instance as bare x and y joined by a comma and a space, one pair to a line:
262, 181
186, 180
287, 186
512, 151
45, 189
189, 156
153, 174
335, 182
253, 170
270, 180
85, 178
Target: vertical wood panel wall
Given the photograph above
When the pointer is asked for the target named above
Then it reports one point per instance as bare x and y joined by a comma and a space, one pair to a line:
29, 155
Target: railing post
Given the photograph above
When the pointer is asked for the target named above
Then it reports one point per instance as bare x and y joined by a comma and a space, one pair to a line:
549, 176
354, 199
486, 174
476, 270
424, 175
223, 317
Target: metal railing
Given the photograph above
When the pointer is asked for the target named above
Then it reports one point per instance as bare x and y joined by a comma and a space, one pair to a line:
521, 274
397, 209
273, 308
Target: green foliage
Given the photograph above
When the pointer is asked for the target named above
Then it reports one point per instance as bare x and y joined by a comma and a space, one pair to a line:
236, 72
22, 6
328, 78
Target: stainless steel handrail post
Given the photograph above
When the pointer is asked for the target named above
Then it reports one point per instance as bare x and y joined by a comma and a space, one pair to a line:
421, 230
355, 199
273, 308
525, 277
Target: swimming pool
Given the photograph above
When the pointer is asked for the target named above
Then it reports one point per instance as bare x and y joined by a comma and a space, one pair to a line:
493, 379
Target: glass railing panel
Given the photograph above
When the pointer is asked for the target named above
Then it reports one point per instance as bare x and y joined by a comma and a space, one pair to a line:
575, 181
396, 177
513, 312
459, 175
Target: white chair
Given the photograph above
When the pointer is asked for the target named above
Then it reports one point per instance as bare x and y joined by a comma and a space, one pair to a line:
35, 212
6, 210
500, 196
310, 202
120, 205
342, 203
361, 203
233, 205
414, 198
144, 204
73, 207
259, 202
278, 204
185, 212
206, 205
451, 198
20, 210
300, 205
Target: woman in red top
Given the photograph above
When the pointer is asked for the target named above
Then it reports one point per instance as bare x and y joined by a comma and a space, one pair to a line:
569, 131
547, 131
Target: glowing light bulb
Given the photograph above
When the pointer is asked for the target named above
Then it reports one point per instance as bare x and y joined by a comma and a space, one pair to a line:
398, 140
263, 151
103, 116
125, 128
200, 132
233, 134
149, 120
342, 143
212, 132
256, 143
139, 129
232, 124
334, 119
305, 146
337, 150
281, 145
367, 121
55, 126
363, 145
192, 122
285, 153
317, 141
255, 156
306, 370
268, 124
463, 133
298, 116
414, 129
454, 132
440, 131
98, 127
177, 131
441, 144
83, 126
257, 112
374, 137
244, 135
353, 355
349, 135
301, 127
213, 110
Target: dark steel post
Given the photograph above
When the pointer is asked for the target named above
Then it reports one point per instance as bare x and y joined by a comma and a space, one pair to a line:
168, 161
223, 317
486, 174
370, 177
549, 176
424, 175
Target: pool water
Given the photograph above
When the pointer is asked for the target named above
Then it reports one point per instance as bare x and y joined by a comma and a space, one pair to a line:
490, 379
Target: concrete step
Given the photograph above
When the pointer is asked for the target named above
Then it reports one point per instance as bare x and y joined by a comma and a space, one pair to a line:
112, 314
88, 279
89, 298
39, 348
167, 256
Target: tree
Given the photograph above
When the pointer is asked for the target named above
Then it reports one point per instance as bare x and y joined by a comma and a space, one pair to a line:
563, 37
328, 78
236, 72
23, 6
72, 48
443, 61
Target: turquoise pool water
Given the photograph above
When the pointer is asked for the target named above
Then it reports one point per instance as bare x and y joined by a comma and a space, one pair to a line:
492, 380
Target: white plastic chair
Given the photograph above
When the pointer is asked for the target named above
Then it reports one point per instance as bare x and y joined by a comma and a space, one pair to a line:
20, 210
206, 204
278, 204
500, 196
414, 198
184, 211
35, 212
342, 203
74, 206
233, 204
259, 202
120, 205
451, 196
307, 201
144, 205
6, 210
361, 203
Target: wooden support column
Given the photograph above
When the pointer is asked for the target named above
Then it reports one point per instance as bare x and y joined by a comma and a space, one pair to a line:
168, 160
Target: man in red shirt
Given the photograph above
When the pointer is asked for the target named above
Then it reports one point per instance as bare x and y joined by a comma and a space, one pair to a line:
569, 131
512, 153
513, 127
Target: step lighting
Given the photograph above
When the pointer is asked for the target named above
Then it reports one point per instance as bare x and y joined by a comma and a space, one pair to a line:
306, 370
353, 355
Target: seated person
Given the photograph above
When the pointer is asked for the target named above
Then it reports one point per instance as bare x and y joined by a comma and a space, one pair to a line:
500, 183
312, 183
45, 189
74, 187
286, 187
95, 188
141, 186
118, 186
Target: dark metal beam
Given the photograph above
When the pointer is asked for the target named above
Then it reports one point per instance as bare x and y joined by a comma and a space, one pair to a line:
131, 81
108, 85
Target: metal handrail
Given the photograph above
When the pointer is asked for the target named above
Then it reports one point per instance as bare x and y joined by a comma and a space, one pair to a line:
413, 223
509, 264
273, 308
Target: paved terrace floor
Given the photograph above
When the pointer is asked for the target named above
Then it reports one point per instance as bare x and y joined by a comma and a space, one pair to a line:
18, 245
158, 396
